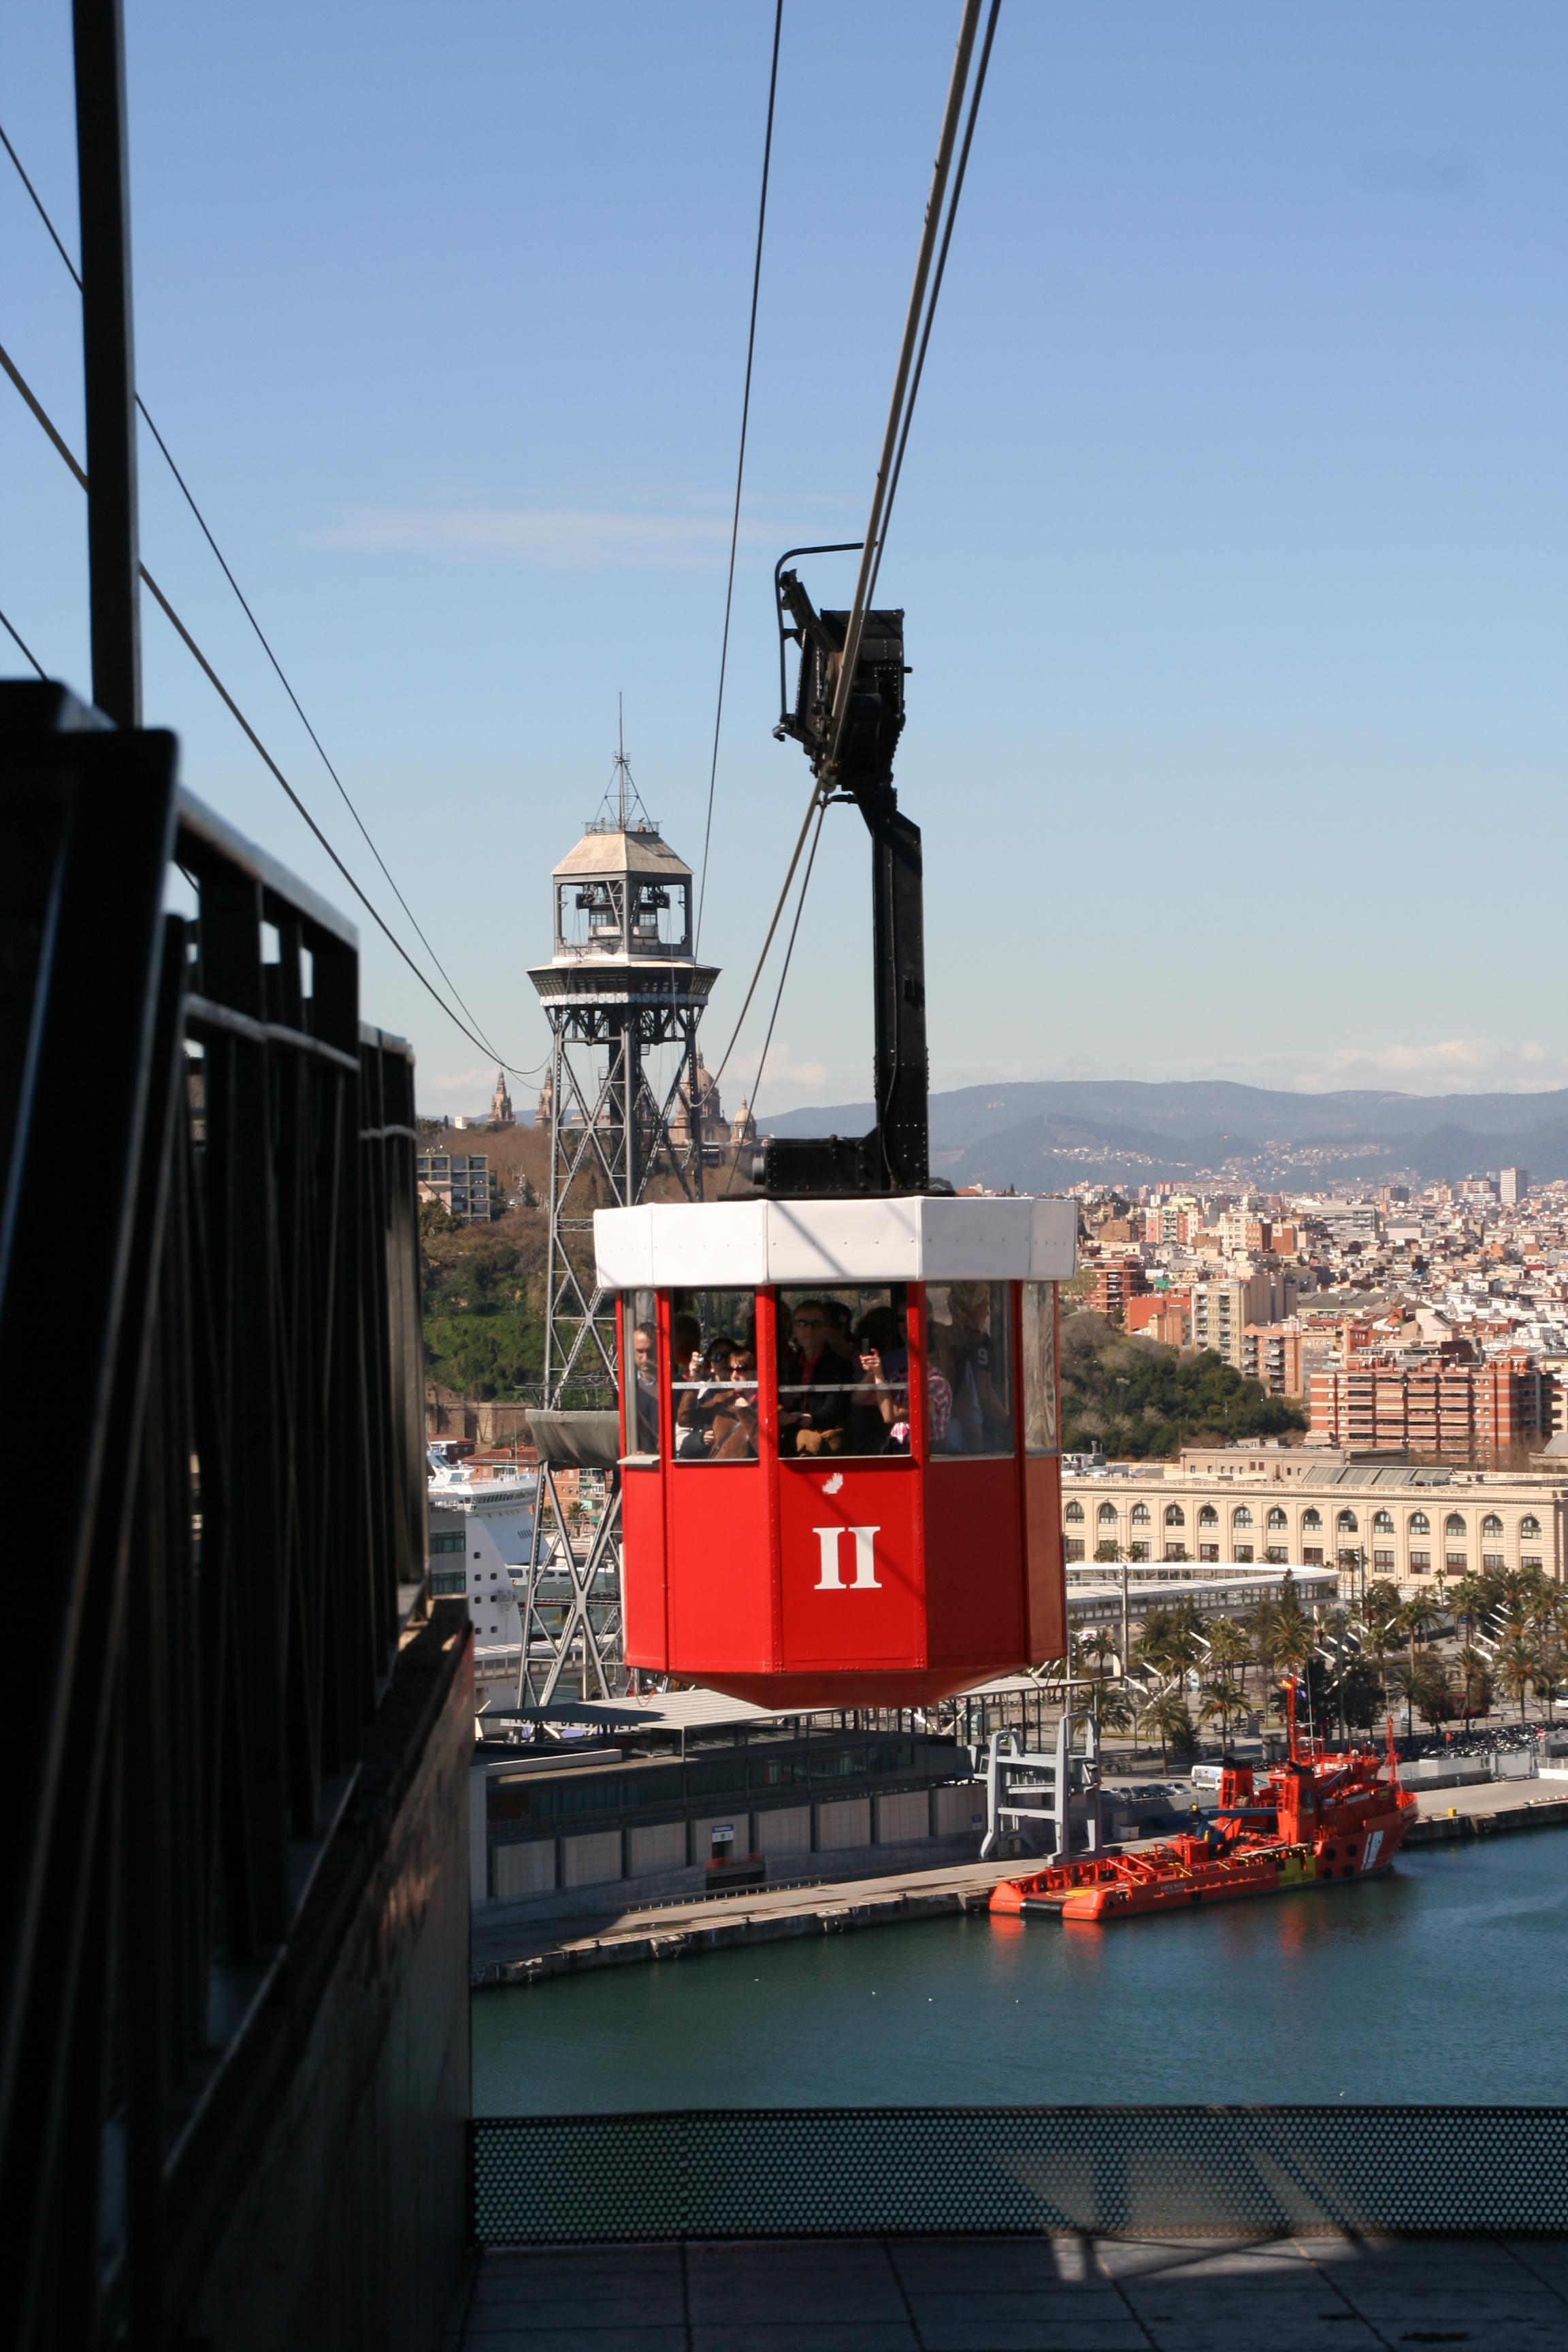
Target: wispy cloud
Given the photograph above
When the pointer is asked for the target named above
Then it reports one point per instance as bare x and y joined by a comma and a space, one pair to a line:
448, 1090
1449, 1066
546, 539
787, 1082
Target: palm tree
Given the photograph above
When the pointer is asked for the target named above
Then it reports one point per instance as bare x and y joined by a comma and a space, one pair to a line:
1174, 1653
1295, 1642
1412, 1680
1550, 1677
1516, 1662
1520, 1591
1223, 1699
1549, 1618
1099, 1649
1112, 1710
1167, 1717
1469, 1598
1416, 1619
1228, 1648
1378, 1626
1475, 1682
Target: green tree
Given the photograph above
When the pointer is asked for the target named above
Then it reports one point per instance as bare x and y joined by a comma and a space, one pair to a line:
1550, 1677
1361, 1694
1468, 1598
1516, 1661
1416, 1619
1139, 1400
1112, 1708
1166, 1718
1230, 1651
1475, 1682
1099, 1648
1220, 1699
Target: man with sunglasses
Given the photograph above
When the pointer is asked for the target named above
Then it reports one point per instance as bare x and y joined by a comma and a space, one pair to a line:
815, 1385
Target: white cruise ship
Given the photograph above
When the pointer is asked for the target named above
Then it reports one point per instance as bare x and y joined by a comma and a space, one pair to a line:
481, 1524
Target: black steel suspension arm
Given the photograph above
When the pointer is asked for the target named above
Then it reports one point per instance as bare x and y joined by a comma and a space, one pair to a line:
894, 1157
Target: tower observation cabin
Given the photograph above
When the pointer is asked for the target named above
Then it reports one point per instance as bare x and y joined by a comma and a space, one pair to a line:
838, 1399
624, 995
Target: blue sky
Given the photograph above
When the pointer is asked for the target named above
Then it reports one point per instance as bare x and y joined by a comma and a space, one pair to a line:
1230, 537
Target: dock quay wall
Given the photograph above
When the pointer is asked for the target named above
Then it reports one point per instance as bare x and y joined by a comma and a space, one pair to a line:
724, 1923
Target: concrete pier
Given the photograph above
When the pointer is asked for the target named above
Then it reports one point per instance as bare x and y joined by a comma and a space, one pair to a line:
536, 1952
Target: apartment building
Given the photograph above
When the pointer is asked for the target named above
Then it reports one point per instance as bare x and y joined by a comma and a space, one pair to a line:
1271, 1352
1115, 1280
1172, 1223
1160, 1315
462, 1181
1466, 1411
1244, 1235
1407, 1523
1221, 1309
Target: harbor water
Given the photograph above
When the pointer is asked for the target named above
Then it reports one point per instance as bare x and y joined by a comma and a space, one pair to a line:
1443, 1981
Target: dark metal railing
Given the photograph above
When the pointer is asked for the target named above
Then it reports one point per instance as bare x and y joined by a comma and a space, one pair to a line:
209, 1341
1153, 2171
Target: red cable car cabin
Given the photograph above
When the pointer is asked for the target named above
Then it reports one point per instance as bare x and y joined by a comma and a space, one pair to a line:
841, 1475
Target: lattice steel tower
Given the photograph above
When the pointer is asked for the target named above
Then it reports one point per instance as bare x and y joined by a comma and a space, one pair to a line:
622, 986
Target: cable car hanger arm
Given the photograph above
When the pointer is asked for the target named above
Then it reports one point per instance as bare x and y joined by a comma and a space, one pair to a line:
850, 737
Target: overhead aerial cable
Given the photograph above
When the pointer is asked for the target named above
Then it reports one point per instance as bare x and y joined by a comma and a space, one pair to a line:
739, 468
903, 391
372, 910
262, 640
939, 213
13, 632
783, 974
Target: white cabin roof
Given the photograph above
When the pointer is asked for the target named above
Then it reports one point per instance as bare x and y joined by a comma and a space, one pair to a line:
925, 1237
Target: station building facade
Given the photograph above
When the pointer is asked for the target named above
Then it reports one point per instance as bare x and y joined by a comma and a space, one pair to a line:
1412, 1524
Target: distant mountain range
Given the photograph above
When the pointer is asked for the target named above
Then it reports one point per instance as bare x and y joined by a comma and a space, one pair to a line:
1043, 1135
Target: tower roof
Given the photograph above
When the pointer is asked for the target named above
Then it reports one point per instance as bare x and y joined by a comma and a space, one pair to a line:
615, 851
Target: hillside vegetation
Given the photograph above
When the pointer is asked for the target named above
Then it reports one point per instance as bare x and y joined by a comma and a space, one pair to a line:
484, 1301
1139, 1401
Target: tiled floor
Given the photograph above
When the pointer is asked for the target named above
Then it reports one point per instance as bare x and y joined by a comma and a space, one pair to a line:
1016, 2295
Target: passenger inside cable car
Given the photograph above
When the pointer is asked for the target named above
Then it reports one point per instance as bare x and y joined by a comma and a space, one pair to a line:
967, 1329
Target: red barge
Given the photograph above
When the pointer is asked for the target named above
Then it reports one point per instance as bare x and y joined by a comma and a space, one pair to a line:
1308, 1820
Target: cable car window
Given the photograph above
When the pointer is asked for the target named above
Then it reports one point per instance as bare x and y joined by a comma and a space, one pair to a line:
713, 1375
639, 1373
969, 1379
843, 1371
1040, 1435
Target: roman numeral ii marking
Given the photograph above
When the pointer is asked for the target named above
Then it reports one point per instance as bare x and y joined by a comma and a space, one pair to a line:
827, 1544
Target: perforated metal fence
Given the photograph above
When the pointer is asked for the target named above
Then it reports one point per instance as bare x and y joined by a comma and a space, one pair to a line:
1167, 2171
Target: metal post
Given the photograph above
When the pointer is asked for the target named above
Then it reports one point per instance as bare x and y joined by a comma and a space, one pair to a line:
1339, 1658
108, 358
1126, 1621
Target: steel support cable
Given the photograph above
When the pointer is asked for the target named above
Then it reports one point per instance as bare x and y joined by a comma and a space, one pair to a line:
216, 681
875, 527
812, 807
784, 975
261, 637
901, 409
739, 472
937, 276
13, 632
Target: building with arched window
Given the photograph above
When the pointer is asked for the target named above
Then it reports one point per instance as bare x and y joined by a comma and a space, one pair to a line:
1318, 1509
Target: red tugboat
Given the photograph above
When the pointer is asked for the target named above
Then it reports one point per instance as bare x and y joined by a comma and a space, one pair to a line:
1313, 1818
